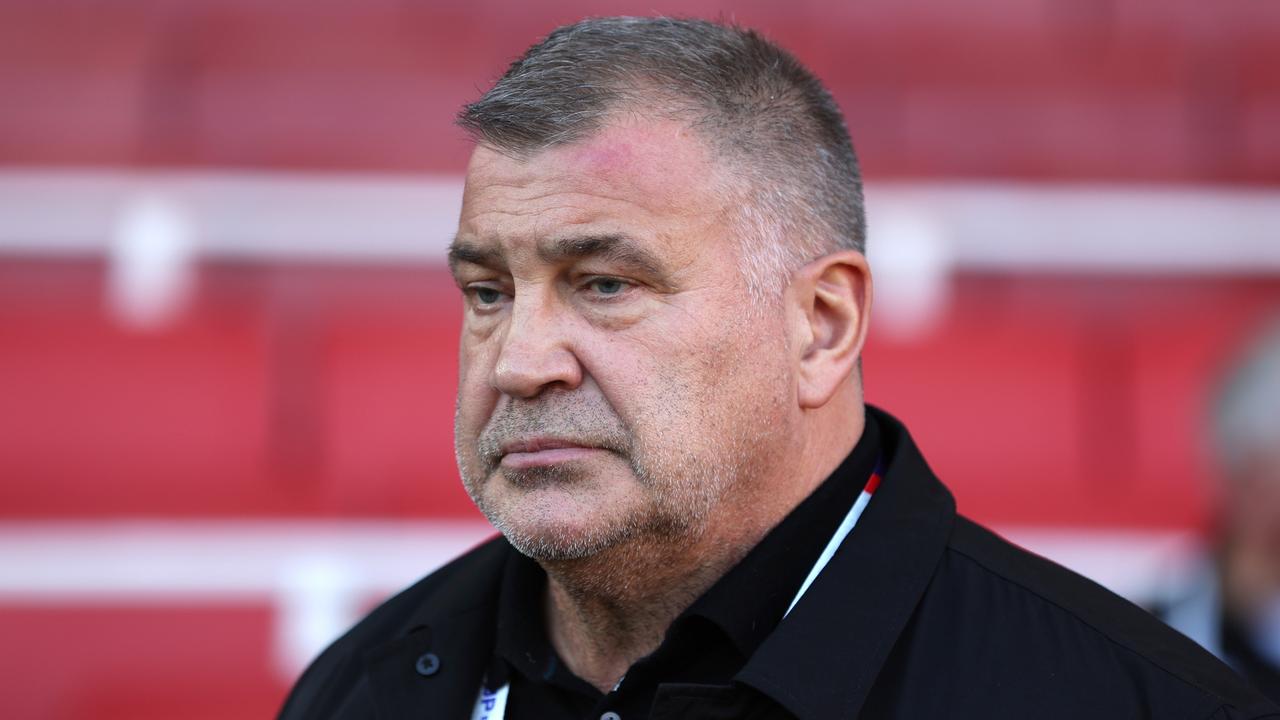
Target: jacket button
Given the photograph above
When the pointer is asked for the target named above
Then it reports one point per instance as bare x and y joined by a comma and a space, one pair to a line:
427, 665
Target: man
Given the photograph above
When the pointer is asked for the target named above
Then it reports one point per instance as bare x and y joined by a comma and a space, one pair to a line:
1232, 605
660, 407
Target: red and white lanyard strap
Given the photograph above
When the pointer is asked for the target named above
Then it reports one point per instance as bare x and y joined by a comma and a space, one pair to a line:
492, 704
846, 525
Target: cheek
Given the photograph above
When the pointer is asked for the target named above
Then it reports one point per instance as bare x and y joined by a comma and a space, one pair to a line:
641, 378
476, 397
679, 382
747, 376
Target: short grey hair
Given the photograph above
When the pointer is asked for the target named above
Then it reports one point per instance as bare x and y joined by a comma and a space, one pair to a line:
1246, 415
800, 193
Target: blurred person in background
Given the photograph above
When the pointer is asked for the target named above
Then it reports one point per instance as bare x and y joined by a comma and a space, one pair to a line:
1232, 607
660, 406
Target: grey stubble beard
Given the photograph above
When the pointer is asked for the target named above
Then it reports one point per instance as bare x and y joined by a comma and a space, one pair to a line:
684, 488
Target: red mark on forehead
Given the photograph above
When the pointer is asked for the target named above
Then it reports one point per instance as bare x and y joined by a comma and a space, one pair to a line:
654, 157
608, 157
604, 156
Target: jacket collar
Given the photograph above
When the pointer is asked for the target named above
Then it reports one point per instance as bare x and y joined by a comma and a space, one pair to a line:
436, 662
823, 659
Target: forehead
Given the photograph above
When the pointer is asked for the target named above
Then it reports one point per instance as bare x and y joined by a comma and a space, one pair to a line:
650, 172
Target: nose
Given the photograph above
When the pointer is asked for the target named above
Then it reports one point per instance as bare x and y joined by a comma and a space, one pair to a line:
536, 351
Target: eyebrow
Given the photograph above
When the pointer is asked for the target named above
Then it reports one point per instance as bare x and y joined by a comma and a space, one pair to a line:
461, 251
614, 248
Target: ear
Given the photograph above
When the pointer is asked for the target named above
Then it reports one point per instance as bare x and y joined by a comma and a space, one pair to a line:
833, 296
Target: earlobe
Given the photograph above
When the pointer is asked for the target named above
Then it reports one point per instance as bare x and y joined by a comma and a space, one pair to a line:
835, 293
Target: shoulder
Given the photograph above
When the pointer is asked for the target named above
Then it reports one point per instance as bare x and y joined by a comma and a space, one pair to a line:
336, 676
1047, 628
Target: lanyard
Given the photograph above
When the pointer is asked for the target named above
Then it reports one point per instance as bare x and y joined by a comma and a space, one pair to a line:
492, 704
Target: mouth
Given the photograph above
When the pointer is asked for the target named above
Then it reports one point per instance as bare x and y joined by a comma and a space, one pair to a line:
543, 452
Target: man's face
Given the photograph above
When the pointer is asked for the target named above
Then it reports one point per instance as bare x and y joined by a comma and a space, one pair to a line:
611, 384
1254, 512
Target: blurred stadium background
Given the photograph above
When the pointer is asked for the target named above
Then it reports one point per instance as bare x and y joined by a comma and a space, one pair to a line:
227, 337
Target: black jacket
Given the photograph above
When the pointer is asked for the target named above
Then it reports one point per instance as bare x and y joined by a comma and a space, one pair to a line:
921, 614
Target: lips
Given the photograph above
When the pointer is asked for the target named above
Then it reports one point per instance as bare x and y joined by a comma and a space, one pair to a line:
543, 452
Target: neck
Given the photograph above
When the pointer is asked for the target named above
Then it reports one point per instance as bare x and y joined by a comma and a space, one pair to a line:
1250, 579
606, 611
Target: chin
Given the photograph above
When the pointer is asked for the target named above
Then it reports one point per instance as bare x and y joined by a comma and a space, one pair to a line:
548, 527
567, 542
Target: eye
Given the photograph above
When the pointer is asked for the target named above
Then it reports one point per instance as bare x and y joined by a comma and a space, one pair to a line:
607, 286
483, 297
